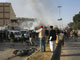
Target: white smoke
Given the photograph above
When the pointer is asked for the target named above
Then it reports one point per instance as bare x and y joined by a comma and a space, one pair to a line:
29, 25
43, 15
36, 9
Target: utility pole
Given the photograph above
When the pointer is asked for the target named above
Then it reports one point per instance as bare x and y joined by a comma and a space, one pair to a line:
59, 11
60, 19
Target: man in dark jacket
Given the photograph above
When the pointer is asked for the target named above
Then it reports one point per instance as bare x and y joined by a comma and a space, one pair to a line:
46, 35
12, 37
52, 38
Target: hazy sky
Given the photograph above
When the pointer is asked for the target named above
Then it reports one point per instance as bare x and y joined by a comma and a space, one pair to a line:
49, 8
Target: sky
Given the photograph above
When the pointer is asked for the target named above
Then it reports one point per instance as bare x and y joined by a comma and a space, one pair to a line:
47, 9
69, 9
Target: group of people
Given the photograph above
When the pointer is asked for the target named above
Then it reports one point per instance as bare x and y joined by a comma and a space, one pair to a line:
47, 36
71, 35
52, 36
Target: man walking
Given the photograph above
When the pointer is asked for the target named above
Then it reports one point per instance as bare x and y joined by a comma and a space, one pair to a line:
52, 39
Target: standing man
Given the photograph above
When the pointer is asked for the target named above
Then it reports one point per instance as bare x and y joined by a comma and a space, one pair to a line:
52, 39
42, 38
57, 35
75, 34
12, 37
61, 37
46, 35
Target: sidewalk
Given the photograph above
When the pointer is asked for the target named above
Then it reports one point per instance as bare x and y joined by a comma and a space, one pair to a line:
71, 50
41, 55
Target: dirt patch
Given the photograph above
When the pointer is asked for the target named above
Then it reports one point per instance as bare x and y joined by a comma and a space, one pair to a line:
41, 55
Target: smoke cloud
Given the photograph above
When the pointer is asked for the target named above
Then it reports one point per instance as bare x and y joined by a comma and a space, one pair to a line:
45, 11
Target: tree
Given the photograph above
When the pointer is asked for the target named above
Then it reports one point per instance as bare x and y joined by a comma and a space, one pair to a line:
71, 24
76, 21
76, 18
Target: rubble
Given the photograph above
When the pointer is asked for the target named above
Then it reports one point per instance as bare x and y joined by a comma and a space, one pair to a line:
24, 52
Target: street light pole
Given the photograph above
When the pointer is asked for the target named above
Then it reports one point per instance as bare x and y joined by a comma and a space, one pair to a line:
60, 15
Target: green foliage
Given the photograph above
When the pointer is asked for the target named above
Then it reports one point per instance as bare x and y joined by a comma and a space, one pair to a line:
76, 18
71, 24
76, 22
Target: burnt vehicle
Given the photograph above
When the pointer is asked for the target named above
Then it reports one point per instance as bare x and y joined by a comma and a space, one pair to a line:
17, 35
25, 34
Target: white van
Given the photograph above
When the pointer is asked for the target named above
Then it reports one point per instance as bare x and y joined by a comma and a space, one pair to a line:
17, 34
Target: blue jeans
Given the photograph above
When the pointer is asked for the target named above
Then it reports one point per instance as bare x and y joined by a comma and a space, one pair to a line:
42, 44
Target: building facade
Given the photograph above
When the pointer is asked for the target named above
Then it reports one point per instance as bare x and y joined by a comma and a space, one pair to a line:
6, 14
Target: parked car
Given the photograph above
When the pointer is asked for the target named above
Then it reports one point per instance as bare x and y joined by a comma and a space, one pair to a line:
17, 35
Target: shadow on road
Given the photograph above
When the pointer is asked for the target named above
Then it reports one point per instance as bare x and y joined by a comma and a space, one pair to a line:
76, 54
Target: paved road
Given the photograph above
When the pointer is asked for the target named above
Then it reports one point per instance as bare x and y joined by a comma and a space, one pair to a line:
6, 50
71, 50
